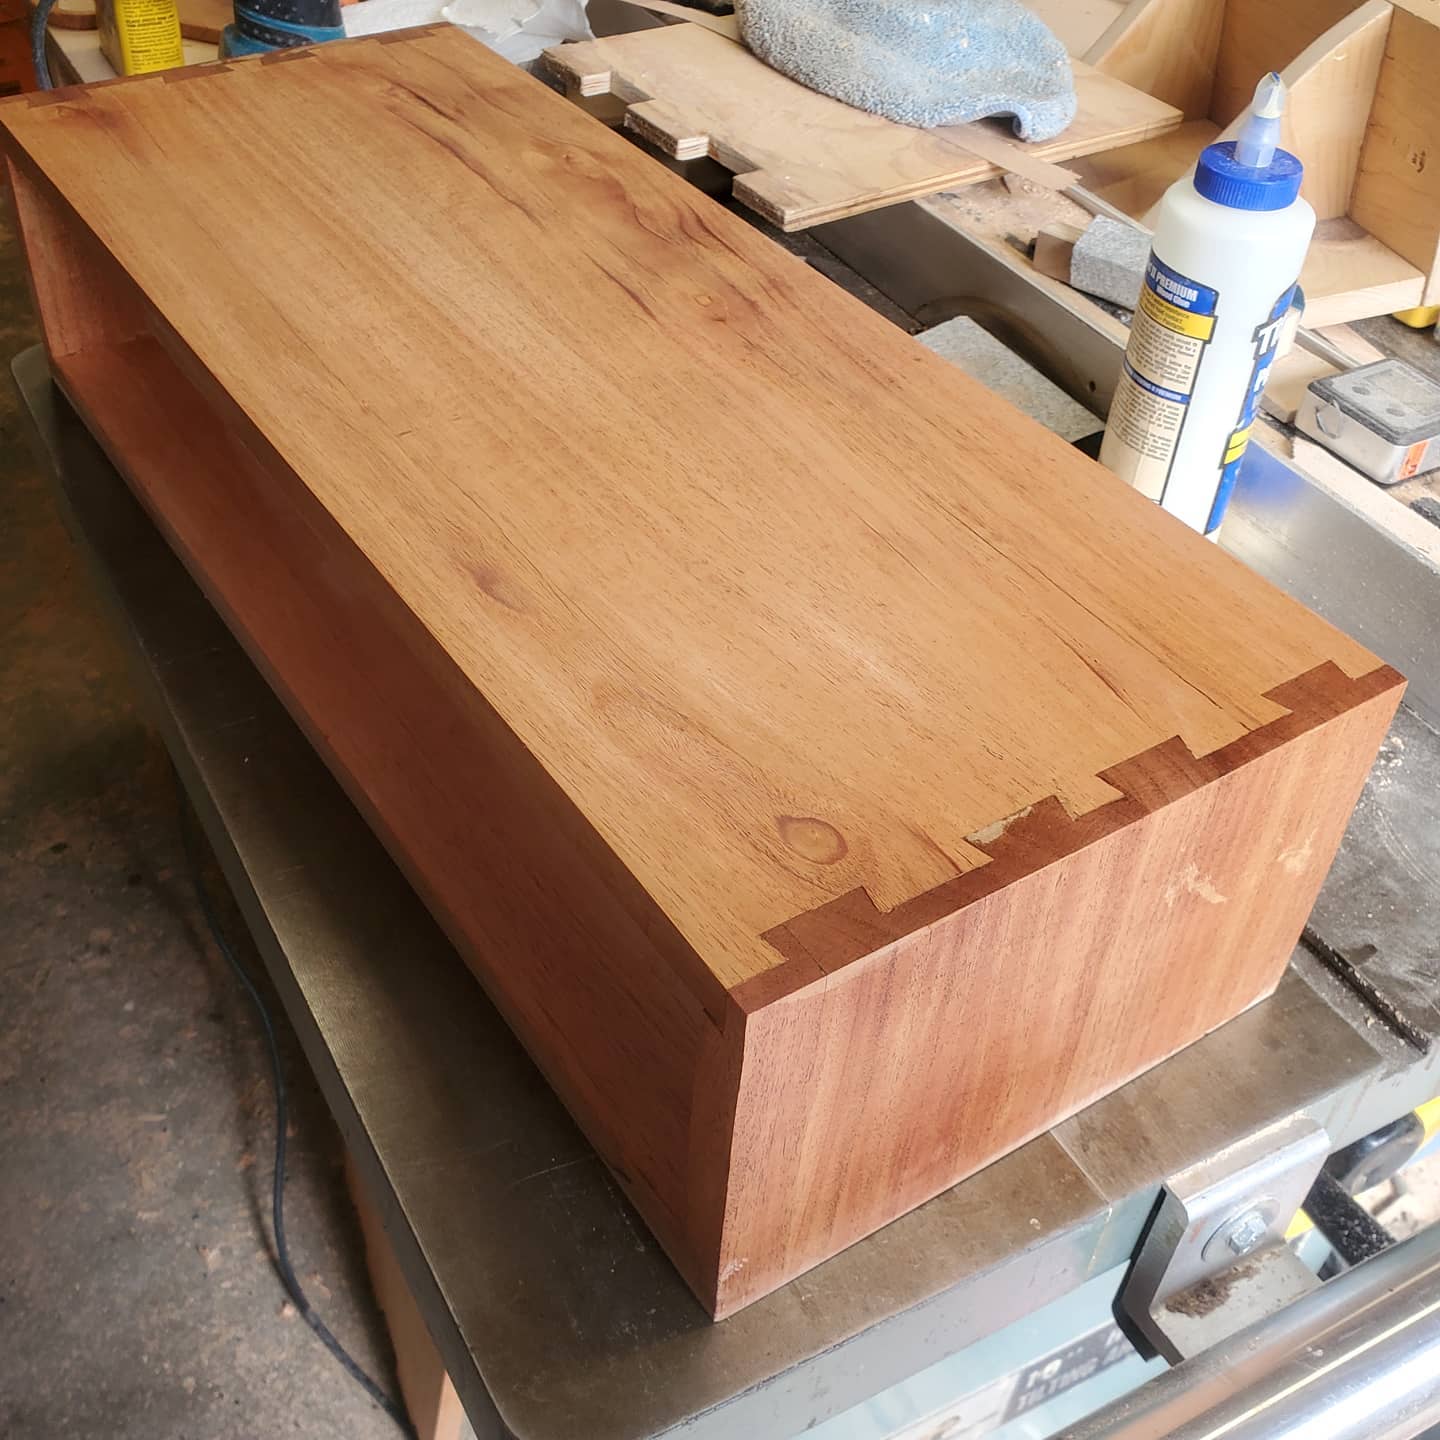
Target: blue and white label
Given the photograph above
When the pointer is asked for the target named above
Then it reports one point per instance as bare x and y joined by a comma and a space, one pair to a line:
1266, 340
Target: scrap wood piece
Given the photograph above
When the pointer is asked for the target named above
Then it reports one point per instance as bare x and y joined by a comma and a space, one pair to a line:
1053, 247
1289, 379
801, 158
1352, 344
204, 19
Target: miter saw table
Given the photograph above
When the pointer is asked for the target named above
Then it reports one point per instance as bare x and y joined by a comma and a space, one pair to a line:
555, 1312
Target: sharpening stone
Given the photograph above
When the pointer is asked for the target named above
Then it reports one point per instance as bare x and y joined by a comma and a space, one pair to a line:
984, 358
1109, 260
1384, 419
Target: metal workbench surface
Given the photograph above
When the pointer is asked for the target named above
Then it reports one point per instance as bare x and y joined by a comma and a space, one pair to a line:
555, 1312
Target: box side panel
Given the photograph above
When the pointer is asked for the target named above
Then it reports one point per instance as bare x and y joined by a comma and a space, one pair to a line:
583, 966
75, 305
1397, 192
868, 1089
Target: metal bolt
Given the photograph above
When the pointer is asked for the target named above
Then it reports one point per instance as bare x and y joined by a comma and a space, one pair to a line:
1245, 1232
1242, 1233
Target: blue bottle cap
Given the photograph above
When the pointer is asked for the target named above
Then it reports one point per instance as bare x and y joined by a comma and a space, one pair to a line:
1219, 177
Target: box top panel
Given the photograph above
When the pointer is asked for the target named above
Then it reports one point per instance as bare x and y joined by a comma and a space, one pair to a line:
786, 604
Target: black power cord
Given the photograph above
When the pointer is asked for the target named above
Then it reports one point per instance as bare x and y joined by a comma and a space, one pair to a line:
189, 827
38, 21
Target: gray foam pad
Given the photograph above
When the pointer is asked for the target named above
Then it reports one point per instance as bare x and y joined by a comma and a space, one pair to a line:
962, 342
921, 62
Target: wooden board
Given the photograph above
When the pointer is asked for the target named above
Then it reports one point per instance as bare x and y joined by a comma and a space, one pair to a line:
1261, 35
1290, 377
1077, 24
203, 20
1206, 56
801, 158
835, 778
1349, 275
1167, 48
1331, 88
1134, 177
1397, 184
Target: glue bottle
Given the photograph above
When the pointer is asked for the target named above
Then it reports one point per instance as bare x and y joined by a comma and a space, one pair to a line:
140, 36
1228, 246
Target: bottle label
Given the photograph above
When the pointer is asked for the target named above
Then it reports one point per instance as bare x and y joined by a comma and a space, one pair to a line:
1266, 340
1173, 325
140, 36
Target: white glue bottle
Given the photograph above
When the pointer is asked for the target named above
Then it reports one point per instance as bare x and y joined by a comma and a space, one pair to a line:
1227, 251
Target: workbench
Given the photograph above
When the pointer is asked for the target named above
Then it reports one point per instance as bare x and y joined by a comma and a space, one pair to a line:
555, 1312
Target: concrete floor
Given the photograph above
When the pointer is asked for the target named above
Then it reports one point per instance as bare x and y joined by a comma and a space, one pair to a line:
137, 1296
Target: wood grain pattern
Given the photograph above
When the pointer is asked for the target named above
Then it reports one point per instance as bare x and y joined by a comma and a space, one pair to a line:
1349, 275
1397, 184
1331, 86
801, 158
1206, 56
1261, 35
1077, 24
1167, 48
797, 741
1135, 177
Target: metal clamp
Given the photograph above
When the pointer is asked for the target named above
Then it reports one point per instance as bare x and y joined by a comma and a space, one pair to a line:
1214, 1258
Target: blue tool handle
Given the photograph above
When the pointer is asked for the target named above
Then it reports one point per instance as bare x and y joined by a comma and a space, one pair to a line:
281, 25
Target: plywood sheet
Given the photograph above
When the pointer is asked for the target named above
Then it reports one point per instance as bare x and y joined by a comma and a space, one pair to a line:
1327, 114
1135, 177
1167, 48
835, 777
1077, 24
1397, 186
204, 19
801, 158
1349, 275
1261, 35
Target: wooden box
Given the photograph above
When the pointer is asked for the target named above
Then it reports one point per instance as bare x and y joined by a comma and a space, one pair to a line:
835, 778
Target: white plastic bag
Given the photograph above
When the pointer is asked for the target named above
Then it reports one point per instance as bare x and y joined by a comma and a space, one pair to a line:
517, 29
520, 29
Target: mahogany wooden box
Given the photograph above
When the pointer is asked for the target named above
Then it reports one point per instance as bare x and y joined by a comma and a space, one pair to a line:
835, 778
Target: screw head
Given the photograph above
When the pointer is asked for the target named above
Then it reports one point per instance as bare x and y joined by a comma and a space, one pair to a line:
1245, 1232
